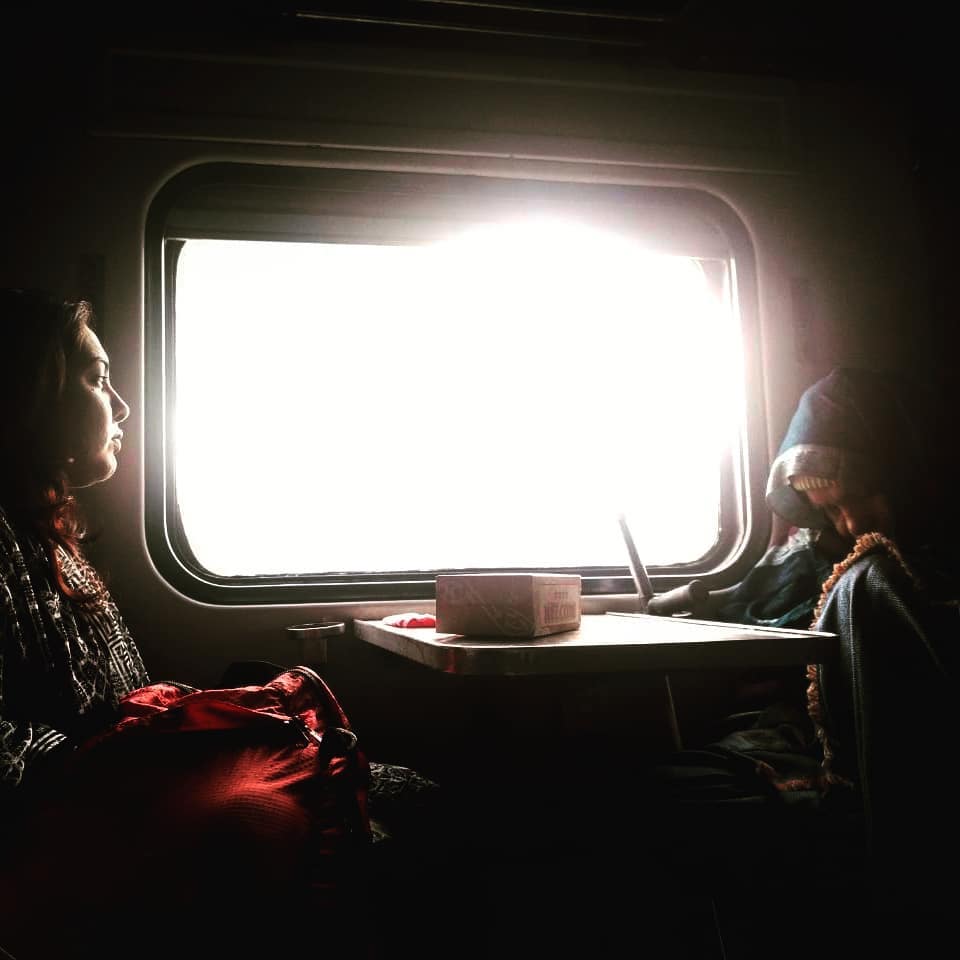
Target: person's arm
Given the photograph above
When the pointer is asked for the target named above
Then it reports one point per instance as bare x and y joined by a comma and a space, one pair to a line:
890, 706
29, 751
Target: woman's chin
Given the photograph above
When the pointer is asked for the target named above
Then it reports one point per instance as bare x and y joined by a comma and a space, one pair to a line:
92, 473
832, 545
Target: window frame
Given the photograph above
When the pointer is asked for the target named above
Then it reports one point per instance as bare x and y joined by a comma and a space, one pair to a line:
744, 520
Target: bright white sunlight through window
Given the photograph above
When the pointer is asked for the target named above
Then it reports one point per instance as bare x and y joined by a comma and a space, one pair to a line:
491, 401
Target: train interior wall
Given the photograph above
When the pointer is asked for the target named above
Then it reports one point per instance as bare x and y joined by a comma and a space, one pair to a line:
840, 172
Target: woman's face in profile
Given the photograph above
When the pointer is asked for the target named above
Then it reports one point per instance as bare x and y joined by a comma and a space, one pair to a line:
852, 513
92, 414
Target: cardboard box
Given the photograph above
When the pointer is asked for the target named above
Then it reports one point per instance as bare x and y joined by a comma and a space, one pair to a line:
508, 604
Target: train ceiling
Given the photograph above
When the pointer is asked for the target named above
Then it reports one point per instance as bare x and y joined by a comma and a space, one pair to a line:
817, 39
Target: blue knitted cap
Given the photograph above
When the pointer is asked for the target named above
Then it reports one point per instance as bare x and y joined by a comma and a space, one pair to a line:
862, 429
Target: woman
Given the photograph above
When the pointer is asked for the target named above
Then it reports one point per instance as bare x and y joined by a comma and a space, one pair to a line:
841, 771
67, 655
870, 547
860, 464
83, 855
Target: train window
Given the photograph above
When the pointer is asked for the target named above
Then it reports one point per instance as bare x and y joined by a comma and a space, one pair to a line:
359, 381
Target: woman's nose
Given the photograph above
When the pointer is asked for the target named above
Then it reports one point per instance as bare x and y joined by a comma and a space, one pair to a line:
120, 409
842, 527
865, 520
851, 521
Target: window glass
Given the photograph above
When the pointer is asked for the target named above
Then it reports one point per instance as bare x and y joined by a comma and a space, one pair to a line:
492, 399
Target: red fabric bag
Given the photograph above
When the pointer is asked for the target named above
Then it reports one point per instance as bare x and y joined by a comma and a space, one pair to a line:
216, 810
287, 741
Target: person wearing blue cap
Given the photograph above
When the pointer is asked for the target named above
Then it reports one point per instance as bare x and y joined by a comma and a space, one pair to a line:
844, 763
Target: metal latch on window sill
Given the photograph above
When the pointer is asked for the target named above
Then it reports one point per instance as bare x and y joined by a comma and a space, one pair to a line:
311, 638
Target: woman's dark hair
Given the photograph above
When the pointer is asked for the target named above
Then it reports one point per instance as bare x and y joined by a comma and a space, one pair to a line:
38, 336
